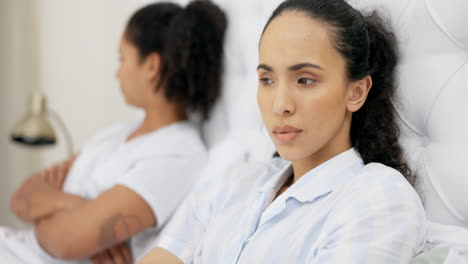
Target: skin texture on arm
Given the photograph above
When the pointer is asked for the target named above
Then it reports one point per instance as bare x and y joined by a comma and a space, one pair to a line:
160, 256
41, 194
119, 254
113, 217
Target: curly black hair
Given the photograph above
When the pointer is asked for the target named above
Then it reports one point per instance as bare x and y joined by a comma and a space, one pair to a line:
190, 42
369, 49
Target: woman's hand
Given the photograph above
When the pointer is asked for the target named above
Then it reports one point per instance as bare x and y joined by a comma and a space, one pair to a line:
36, 199
119, 254
55, 175
41, 194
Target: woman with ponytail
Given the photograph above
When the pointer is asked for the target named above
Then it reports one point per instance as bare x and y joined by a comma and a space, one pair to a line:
341, 191
106, 204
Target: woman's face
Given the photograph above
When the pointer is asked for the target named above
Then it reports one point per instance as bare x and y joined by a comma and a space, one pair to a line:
131, 74
303, 91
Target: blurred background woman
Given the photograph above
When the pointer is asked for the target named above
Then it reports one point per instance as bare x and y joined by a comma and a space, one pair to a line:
126, 182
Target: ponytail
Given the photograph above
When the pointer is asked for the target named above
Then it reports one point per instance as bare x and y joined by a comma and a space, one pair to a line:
192, 62
374, 131
190, 42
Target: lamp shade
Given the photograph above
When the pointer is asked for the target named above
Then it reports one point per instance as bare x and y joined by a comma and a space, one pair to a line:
35, 129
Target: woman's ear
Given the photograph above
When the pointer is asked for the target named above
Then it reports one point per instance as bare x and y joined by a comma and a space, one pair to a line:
357, 93
152, 64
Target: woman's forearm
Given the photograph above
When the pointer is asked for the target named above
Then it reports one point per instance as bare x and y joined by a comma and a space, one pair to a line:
36, 199
113, 217
41, 194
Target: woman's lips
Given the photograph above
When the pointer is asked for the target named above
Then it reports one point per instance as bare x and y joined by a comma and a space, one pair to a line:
286, 134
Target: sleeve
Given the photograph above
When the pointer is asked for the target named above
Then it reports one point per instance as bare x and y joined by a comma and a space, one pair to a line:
163, 181
186, 229
382, 224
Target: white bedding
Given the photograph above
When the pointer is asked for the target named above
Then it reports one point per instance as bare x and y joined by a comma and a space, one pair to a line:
453, 237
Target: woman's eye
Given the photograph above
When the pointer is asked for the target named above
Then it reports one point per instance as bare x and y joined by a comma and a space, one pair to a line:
266, 81
306, 81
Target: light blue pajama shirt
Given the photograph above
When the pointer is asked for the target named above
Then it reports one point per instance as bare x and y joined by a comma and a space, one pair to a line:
340, 212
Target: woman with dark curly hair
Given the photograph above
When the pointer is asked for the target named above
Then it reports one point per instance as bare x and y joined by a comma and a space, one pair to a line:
124, 184
340, 192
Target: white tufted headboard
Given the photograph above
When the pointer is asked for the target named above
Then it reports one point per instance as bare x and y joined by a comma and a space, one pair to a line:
432, 99
433, 103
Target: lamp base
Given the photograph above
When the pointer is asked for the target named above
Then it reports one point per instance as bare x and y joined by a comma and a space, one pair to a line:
34, 141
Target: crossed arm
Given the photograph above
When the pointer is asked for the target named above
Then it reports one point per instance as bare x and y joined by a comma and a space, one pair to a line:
69, 227
41, 194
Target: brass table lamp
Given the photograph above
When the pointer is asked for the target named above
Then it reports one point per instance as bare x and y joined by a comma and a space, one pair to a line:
35, 128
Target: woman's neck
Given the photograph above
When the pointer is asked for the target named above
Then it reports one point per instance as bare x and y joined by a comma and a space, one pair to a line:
301, 167
339, 143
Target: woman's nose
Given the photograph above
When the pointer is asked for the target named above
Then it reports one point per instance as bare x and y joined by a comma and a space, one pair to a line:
283, 103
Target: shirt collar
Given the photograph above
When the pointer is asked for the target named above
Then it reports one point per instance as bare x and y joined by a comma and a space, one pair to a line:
319, 181
281, 170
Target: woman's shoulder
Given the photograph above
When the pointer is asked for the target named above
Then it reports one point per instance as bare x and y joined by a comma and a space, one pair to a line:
377, 182
112, 132
187, 130
379, 196
377, 174
239, 177
177, 140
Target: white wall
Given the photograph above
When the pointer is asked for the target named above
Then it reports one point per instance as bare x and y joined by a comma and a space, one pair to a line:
67, 49
78, 57
17, 79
